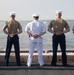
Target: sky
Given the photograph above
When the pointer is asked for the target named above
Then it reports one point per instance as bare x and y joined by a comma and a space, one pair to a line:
46, 8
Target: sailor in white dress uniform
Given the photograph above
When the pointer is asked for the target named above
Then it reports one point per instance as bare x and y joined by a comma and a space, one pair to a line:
35, 30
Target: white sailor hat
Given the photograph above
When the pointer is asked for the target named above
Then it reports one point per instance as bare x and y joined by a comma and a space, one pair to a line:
12, 13
58, 11
35, 15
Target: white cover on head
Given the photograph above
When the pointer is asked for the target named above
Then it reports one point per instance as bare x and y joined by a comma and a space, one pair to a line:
58, 11
35, 15
12, 13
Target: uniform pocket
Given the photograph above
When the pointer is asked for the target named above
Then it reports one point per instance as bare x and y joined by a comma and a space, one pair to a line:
40, 39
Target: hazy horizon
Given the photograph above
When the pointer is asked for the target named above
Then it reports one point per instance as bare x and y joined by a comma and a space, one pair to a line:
46, 8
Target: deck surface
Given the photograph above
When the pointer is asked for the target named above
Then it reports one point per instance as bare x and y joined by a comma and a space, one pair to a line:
35, 69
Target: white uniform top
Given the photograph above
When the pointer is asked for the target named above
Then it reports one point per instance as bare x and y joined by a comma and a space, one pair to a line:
35, 27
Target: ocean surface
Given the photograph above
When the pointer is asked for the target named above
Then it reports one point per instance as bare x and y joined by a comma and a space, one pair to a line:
47, 38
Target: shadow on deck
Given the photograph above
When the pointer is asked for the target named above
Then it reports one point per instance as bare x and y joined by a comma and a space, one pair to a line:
12, 66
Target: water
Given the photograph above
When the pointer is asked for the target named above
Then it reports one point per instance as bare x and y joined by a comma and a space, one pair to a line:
47, 38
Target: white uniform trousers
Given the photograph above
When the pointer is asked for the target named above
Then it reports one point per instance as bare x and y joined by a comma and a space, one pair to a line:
38, 44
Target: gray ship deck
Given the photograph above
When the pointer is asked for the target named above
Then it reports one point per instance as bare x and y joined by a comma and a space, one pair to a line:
35, 69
